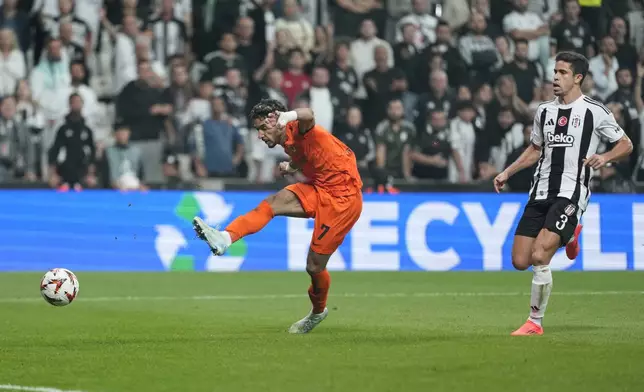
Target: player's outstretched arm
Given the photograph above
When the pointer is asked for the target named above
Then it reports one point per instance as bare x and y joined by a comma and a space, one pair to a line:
529, 157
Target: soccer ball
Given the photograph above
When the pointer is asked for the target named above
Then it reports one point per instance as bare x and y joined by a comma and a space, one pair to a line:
59, 287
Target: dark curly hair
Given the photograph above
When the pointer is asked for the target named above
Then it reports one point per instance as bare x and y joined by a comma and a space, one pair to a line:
265, 107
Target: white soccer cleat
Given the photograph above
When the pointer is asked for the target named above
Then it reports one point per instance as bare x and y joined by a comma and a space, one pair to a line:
309, 322
213, 237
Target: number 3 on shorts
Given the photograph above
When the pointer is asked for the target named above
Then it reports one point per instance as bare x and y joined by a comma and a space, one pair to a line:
561, 223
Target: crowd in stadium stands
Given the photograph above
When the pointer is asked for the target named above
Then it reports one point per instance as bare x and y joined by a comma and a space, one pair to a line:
126, 93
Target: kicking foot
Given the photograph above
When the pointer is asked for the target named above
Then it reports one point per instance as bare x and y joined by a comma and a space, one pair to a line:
213, 237
309, 322
529, 328
572, 248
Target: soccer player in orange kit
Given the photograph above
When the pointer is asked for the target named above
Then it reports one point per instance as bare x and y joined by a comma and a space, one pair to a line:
332, 195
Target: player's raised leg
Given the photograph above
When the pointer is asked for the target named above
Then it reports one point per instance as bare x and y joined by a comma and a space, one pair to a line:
542, 251
283, 203
318, 292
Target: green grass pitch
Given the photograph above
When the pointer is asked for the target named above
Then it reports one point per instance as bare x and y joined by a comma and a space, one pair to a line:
385, 332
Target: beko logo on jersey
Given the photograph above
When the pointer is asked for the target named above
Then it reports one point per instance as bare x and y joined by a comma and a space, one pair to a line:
560, 140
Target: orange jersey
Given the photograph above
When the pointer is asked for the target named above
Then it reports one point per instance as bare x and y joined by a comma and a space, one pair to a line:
327, 162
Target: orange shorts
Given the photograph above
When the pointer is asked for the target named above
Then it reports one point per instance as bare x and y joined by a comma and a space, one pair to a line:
334, 216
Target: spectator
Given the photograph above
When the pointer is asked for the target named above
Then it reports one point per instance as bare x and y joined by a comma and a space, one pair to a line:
432, 149
362, 54
82, 34
503, 47
493, 26
329, 104
72, 156
523, 24
91, 108
142, 52
479, 51
295, 79
71, 50
443, 47
508, 138
587, 87
12, 63
406, 53
222, 60
169, 32
124, 162
142, 107
183, 12
180, 93
456, 13
505, 94
483, 96
50, 80
625, 97
273, 87
298, 27
235, 95
425, 23
604, 66
549, 10
545, 94
526, 73
251, 51
17, 21
639, 105
218, 147
316, 12
322, 52
28, 111
284, 44
125, 53
199, 107
30, 114
439, 98
16, 156
381, 84
118, 11
352, 13
572, 33
343, 75
359, 139
626, 54
394, 137
521, 181
261, 13
462, 135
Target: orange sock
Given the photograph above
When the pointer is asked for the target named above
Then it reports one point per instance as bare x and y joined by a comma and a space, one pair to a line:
251, 222
319, 290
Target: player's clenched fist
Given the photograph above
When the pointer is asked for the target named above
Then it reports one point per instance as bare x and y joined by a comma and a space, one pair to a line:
596, 161
283, 118
499, 181
287, 168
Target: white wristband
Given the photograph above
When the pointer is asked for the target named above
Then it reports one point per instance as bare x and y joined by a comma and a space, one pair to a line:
286, 117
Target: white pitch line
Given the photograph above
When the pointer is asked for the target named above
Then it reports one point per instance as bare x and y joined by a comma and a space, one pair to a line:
9, 387
340, 295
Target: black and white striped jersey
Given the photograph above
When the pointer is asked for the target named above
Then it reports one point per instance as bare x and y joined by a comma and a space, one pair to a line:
170, 38
568, 134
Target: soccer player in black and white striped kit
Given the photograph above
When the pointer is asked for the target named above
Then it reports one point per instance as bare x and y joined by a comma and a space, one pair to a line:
564, 140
